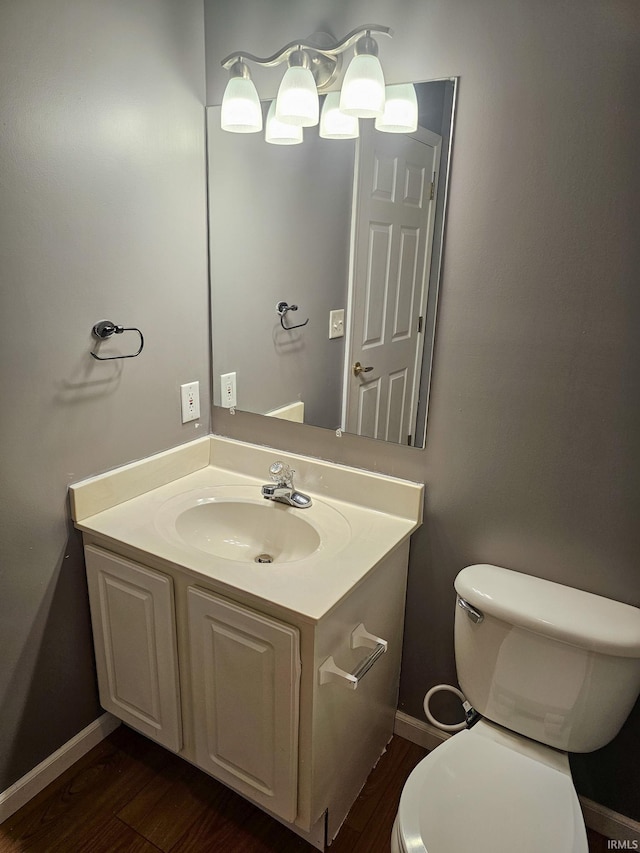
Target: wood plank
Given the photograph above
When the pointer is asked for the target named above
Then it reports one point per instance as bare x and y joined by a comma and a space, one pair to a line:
160, 797
165, 809
116, 837
597, 842
386, 780
233, 825
376, 836
73, 809
367, 828
44, 795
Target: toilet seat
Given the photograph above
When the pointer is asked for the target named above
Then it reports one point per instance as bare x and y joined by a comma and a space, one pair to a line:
491, 791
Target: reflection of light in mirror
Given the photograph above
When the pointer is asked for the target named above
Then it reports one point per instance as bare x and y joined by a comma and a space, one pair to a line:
279, 132
400, 110
334, 124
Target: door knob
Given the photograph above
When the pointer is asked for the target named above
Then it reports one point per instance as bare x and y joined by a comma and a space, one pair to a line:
358, 369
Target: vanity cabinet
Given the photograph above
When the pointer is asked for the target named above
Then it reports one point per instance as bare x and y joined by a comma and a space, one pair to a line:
242, 692
278, 679
134, 636
243, 668
245, 673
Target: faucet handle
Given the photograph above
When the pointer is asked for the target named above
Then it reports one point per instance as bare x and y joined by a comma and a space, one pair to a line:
281, 473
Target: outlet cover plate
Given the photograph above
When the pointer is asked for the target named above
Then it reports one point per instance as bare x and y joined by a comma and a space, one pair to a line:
228, 399
190, 401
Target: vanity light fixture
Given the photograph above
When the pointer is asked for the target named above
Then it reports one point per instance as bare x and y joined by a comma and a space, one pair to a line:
241, 111
313, 65
363, 90
297, 102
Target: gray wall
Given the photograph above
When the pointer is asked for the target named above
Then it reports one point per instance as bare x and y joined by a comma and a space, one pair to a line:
103, 215
279, 230
534, 424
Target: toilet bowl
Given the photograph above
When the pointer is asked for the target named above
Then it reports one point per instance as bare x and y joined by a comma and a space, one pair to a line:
550, 670
488, 791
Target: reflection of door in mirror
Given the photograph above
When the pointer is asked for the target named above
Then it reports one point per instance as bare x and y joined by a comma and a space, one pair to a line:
394, 206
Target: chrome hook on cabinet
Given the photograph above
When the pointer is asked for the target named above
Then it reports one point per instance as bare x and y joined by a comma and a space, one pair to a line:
281, 310
105, 329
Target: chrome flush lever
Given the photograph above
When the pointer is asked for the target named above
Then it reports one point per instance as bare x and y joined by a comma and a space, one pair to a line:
473, 614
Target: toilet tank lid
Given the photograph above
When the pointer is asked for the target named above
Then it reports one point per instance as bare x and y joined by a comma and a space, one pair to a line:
552, 609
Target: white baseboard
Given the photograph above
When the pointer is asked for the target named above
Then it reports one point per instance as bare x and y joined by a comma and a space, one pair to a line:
424, 734
35, 780
610, 824
599, 818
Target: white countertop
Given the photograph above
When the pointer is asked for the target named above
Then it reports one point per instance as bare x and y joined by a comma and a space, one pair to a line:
309, 587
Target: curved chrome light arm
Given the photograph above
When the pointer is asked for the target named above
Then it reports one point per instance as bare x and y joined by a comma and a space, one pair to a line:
331, 50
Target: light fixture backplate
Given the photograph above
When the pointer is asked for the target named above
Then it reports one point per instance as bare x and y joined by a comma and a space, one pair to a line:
325, 69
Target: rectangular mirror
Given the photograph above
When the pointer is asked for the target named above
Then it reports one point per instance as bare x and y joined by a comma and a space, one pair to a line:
325, 262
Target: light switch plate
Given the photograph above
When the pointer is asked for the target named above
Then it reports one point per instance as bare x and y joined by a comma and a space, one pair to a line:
336, 323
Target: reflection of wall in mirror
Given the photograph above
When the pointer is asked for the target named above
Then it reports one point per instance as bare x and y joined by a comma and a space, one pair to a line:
279, 231
291, 412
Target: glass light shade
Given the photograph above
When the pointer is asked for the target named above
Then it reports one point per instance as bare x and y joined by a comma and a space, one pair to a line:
335, 124
280, 133
400, 110
297, 102
363, 87
241, 111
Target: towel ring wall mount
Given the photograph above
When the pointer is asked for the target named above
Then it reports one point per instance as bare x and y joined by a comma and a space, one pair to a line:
282, 308
105, 329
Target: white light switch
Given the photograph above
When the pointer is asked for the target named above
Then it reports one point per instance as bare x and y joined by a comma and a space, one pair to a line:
336, 323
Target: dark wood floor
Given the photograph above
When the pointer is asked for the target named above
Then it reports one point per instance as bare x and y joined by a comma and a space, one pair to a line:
130, 796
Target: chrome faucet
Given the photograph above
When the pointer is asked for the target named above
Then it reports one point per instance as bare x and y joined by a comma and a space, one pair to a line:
281, 488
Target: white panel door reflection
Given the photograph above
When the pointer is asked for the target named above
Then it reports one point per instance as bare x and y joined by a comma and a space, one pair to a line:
396, 179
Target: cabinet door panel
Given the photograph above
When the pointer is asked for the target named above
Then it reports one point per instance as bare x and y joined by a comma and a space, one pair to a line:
245, 675
132, 614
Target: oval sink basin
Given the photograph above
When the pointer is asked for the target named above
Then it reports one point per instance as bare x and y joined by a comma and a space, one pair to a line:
229, 522
248, 532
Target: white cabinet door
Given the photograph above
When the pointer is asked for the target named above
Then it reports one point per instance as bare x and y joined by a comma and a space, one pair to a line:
245, 671
134, 634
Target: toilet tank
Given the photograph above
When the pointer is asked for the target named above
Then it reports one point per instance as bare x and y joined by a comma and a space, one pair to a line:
556, 664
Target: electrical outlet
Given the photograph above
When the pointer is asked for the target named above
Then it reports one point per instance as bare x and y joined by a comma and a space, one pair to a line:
336, 323
190, 400
228, 390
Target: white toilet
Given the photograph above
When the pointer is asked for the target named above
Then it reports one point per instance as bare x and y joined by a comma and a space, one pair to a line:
551, 670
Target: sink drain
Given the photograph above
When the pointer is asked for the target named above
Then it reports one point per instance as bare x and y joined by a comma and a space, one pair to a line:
264, 558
